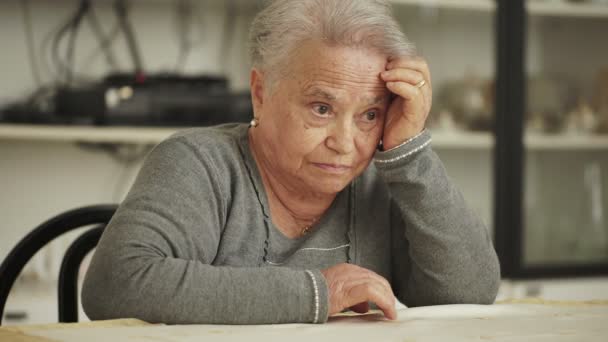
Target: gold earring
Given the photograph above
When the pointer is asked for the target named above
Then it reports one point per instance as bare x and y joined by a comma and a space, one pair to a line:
254, 122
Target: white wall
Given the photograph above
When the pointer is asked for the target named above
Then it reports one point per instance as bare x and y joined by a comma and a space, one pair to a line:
38, 179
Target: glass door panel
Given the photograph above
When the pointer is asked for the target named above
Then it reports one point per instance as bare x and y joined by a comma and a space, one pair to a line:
566, 135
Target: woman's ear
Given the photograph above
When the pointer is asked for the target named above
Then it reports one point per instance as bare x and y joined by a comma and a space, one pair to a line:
257, 88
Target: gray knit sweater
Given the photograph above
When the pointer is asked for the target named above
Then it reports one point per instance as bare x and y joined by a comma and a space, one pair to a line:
193, 242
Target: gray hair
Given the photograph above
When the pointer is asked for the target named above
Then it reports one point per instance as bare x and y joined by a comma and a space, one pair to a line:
283, 24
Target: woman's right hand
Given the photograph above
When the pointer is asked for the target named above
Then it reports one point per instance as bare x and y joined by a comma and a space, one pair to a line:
351, 286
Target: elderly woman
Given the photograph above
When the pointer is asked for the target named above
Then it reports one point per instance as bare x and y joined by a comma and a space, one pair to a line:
331, 199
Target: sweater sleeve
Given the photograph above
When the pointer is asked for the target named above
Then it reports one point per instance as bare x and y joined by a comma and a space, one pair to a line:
154, 261
442, 252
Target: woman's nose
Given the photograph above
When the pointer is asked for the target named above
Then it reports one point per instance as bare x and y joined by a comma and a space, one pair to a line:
341, 137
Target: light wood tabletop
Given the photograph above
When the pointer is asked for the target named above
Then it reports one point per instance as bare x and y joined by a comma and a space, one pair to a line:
528, 320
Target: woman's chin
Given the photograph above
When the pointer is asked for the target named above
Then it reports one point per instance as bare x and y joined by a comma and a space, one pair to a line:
328, 186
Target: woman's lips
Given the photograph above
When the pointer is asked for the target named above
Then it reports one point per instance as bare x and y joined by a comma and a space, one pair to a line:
333, 168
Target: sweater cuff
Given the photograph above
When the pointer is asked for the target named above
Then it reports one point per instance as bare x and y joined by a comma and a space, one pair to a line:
400, 154
320, 298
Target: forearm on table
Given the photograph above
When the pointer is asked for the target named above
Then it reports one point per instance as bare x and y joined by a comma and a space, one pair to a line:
177, 291
451, 256
152, 265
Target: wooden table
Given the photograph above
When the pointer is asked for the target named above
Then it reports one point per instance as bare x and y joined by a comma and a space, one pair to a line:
507, 321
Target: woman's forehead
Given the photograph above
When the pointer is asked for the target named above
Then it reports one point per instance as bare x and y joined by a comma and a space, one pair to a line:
315, 57
339, 84
325, 71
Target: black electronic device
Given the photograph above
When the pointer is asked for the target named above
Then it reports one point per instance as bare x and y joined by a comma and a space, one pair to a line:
163, 99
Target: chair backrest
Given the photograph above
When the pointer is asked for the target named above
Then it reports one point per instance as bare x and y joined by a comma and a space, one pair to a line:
98, 215
67, 287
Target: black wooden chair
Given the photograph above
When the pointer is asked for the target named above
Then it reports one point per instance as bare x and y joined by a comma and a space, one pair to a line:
97, 215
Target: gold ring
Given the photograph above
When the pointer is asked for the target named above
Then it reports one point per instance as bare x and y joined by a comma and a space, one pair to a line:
420, 84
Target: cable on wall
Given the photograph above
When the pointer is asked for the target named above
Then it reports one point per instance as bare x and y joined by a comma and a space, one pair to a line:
121, 8
64, 65
104, 41
183, 11
228, 33
84, 7
29, 37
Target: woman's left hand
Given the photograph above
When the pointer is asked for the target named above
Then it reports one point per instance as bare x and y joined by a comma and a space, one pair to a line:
409, 79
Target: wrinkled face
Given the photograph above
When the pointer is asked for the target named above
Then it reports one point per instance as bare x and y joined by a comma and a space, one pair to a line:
321, 123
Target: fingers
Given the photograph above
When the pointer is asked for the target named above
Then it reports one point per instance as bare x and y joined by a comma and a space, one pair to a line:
386, 285
410, 90
410, 80
413, 95
411, 70
406, 75
351, 286
376, 293
414, 63
406, 90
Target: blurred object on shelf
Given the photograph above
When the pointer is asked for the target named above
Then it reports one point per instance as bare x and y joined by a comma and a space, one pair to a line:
122, 99
549, 99
599, 100
467, 103
444, 122
37, 107
581, 120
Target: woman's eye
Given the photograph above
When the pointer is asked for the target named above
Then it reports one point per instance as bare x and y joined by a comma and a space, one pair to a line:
371, 115
321, 109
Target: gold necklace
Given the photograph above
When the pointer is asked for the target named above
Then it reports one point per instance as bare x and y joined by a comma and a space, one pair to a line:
305, 230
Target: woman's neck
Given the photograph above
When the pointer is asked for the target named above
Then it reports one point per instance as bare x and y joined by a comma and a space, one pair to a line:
293, 210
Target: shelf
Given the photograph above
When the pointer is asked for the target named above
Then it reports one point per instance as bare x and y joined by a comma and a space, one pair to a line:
532, 142
88, 134
566, 142
153, 135
564, 9
534, 8
471, 5
462, 140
